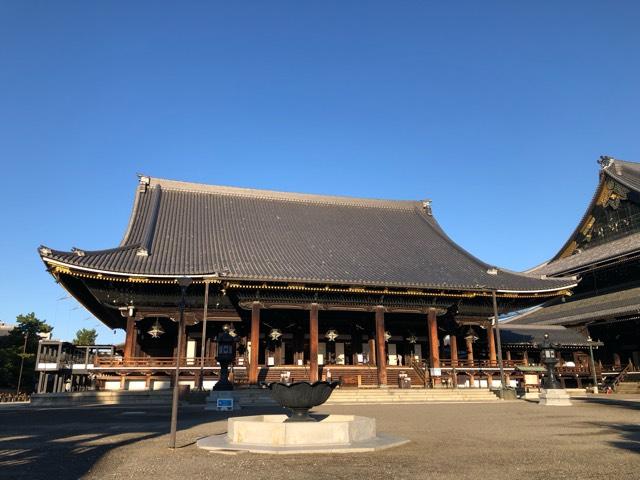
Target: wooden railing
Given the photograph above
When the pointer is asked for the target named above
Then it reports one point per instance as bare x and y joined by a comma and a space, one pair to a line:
423, 374
152, 362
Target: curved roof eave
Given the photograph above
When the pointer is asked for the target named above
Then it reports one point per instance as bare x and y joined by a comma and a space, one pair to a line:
571, 282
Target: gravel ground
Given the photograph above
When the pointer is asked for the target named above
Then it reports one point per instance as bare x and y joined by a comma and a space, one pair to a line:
599, 438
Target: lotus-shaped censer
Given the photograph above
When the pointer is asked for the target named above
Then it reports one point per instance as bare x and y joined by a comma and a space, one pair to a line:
300, 397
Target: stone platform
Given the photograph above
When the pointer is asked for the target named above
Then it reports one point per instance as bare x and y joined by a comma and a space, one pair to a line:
554, 397
271, 434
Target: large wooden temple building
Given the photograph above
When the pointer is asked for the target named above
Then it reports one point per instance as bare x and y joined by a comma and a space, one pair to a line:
311, 286
604, 252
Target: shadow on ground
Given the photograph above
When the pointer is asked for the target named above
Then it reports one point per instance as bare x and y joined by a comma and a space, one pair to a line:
66, 443
631, 404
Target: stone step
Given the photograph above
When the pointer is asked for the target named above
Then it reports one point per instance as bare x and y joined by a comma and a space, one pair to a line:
259, 397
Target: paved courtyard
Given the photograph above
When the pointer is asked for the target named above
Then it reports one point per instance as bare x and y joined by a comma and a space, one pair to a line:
594, 439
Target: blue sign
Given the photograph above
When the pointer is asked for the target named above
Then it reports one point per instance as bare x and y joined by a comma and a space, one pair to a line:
225, 404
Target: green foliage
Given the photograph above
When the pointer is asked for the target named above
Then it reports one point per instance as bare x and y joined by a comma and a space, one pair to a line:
86, 336
11, 351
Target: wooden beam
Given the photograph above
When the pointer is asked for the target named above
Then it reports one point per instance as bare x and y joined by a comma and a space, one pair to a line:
255, 343
381, 355
313, 343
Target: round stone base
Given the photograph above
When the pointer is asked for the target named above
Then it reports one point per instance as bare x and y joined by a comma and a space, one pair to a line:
271, 434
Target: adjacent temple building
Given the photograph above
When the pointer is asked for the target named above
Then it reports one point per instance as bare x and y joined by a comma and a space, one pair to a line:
604, 252
315, 286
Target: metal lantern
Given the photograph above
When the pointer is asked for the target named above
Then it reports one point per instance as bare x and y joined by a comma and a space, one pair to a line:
387, 336
230, 329
275, 334
548, 358
412, 339
471, 335
156, 330
331, 335
226, 355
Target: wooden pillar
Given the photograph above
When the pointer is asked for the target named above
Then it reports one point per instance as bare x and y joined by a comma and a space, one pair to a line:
525, 357
469, 350
277, 352
508, 354
313, 343
493, 359
255, 343
372, 351
130, 339
616, 360
434, 354
381, 355
182, 350
298, 346
453, 345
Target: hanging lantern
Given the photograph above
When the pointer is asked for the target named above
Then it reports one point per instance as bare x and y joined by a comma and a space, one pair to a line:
387, 336
156, 330
331, 335
412, 339
275, 334
230, 329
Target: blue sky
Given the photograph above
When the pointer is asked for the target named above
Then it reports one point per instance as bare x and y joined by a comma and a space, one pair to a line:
496, 110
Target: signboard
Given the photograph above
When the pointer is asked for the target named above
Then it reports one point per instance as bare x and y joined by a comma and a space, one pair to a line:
435, 372
224, 404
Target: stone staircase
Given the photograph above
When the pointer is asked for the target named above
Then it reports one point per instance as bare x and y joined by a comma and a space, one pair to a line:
630, 384
256, 397
628, 387
410, 396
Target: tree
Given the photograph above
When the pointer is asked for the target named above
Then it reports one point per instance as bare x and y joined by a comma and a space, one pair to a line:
11, 347
86, 336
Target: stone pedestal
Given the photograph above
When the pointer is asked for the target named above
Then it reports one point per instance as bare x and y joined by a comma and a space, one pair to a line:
271, 434
554, 397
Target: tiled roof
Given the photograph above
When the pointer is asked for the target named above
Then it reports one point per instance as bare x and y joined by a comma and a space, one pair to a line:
606, 251
512, 335
578, 310
626, 173
180, 228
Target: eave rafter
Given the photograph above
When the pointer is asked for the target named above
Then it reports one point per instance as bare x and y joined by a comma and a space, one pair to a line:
56, 269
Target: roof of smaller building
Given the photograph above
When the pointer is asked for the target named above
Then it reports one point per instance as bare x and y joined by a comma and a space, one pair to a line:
512, 335
582, 309
5, 328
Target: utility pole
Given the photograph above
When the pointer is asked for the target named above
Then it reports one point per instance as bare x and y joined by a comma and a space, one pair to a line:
204, 334
499, 342
184, 283
593, 366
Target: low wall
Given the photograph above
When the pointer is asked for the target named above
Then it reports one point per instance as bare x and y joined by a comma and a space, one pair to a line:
108, 397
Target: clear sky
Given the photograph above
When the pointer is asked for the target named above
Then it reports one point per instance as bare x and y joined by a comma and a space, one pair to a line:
496, 110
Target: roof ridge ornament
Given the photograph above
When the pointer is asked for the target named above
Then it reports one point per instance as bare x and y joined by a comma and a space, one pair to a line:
426, 206
492, 271
605, 161
144, 182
